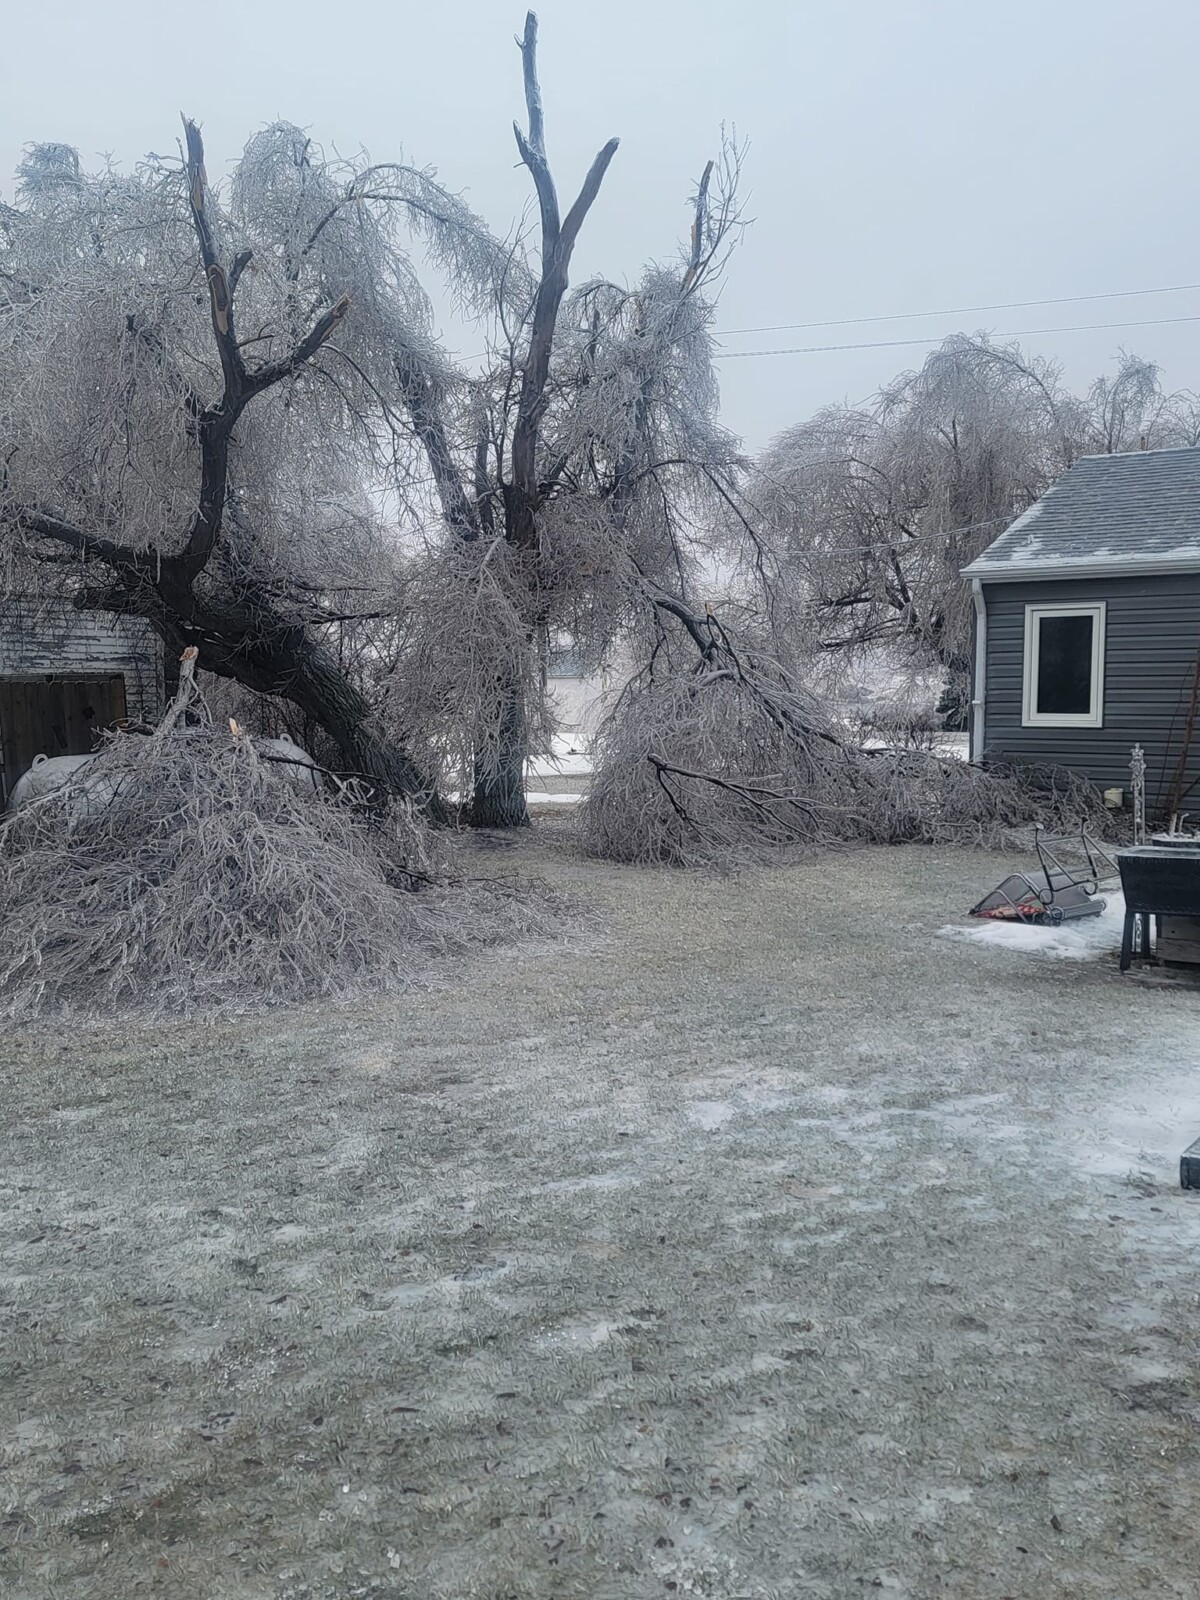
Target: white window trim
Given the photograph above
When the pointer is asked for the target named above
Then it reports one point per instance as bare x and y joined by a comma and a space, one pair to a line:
1031, 717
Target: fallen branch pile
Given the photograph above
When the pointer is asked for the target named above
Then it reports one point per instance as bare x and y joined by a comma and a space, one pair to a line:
185, 871
730, 762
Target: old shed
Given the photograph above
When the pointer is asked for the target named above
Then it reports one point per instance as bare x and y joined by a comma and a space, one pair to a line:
67, 674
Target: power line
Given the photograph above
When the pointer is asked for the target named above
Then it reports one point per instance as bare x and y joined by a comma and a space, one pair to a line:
895, 344
959, 311
900, 545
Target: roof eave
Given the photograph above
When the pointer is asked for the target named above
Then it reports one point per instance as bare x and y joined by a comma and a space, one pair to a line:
1120, 567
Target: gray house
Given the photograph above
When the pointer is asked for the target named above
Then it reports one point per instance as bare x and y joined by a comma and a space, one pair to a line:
1087, 626
64, 675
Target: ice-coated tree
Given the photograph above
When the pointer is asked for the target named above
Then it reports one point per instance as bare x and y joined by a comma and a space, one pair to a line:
223, 409
582, 477
875, 509
194, 402
1131, 411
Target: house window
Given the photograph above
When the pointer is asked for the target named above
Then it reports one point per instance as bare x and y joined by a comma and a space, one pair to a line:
1064, 666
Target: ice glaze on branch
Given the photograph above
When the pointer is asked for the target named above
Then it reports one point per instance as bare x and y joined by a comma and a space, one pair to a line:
89, 546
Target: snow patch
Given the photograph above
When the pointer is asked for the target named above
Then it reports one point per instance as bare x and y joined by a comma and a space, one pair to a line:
1144, 1129
710, 1114
1085, 939
580, 1335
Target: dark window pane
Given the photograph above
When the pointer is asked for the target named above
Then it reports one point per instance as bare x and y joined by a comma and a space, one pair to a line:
1065, 666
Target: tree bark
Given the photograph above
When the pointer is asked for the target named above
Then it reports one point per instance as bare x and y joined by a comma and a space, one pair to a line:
499, 797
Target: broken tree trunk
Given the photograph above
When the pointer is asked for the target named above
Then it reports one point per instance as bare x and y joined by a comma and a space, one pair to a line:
272, 656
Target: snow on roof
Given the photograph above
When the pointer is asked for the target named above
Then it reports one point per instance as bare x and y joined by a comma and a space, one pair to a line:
1140, 510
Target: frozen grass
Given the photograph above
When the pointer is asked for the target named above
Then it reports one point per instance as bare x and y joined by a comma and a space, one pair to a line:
768, 1246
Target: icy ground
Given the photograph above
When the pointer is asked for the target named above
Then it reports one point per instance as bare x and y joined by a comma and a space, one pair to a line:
1079, 939
764, 1245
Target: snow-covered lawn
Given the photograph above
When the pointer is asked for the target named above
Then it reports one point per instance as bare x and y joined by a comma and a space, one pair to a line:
762, 1244
561, 778
565, 763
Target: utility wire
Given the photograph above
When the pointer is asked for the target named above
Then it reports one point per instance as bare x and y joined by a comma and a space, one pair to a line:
929, 339
959, 311
901, 544
895, 344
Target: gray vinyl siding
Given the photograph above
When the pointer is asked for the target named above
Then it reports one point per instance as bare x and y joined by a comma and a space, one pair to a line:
40, 639
1152, 634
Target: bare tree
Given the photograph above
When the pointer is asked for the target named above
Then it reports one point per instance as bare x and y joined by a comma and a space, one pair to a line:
585, 464
507, 489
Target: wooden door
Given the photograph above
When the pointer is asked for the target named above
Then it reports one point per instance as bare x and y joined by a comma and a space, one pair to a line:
53, 717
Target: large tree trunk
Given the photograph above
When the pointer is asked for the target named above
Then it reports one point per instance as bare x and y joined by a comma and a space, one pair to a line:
245, 641
499, 798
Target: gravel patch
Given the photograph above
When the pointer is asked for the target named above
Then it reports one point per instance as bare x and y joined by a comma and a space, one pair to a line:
763, 1244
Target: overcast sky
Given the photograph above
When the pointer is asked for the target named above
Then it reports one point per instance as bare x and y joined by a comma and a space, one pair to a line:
905, 155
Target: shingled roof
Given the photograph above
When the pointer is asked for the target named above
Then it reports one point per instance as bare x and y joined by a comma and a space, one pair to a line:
1108, 514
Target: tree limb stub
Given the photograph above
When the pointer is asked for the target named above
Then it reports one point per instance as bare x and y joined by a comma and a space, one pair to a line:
197, 177
240, 262
699, 227
218, 285
533, 91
